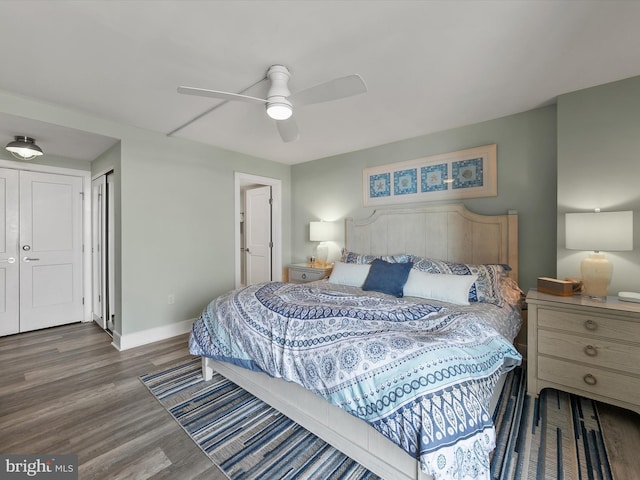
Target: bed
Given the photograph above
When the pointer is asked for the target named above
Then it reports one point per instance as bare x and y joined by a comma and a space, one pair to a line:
430, 375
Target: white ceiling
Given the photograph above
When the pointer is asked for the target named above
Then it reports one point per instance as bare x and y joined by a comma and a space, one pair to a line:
55, 139
429, 65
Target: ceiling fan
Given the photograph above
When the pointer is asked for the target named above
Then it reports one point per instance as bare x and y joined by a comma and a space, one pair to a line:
280, 101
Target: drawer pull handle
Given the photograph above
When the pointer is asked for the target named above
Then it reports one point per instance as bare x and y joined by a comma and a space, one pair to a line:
304, 276
590, 350
590, 325
589, 379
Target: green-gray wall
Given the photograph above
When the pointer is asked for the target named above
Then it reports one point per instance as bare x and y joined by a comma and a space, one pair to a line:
176, 215
176, 222
178, 225
331, 189
599, 167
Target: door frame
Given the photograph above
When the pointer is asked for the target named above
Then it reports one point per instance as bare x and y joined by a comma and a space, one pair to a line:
86, 220
106, 258
241, 179
98, 272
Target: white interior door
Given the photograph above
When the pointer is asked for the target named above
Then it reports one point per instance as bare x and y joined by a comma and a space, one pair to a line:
258, 234
9, 264
50, 250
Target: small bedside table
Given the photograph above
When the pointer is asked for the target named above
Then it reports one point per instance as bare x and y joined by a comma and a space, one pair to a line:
584, 347
301, 273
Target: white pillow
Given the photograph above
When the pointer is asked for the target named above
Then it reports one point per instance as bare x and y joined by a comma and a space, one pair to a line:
353, 274
439, 286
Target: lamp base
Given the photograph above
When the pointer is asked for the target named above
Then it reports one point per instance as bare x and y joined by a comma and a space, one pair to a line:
322, 253
596, 275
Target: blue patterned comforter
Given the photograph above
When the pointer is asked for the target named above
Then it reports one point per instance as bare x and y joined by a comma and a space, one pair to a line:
420, 372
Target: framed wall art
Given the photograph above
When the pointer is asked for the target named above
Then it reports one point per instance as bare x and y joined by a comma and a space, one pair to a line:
470, 173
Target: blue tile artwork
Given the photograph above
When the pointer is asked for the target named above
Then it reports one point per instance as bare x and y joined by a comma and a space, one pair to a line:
405, 182
380, 185
467, 173
434, 178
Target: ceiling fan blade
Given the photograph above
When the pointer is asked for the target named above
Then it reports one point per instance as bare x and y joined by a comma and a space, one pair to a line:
203, 92
332, 90
288, 130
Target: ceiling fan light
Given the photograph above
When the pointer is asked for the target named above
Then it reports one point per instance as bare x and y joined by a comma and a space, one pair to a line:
24, 148
279, 111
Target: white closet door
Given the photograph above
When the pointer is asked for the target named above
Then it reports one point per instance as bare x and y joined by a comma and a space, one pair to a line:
258, 234
9, 264
51, 250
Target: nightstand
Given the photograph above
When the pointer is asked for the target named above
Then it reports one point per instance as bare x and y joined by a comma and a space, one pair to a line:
584, 347
301, 273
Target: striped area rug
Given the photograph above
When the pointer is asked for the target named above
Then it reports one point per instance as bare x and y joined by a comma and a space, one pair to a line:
555, 437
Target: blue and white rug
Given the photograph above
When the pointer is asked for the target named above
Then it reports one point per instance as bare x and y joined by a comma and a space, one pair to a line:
556, 436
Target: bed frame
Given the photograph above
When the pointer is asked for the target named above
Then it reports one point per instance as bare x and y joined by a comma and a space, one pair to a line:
446, 232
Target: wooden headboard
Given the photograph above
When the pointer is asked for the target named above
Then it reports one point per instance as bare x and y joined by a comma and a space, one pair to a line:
444, 232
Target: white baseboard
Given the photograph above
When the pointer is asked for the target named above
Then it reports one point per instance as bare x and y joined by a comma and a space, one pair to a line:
137, 339
116, 341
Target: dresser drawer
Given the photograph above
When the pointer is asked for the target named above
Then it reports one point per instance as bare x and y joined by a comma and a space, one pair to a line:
591, 380
614, 328
594, 351
298, 275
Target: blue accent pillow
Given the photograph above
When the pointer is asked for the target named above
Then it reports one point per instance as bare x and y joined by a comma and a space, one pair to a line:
387, 277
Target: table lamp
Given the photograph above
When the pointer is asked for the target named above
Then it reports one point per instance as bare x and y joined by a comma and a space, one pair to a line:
321, 232
599, 231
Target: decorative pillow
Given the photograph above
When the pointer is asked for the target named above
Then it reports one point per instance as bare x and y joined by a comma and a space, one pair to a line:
439, 286
487, 288
352, 257
387, 277
349, 274
511, 292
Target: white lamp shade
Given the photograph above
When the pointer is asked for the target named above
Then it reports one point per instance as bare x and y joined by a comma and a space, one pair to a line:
321, 231
604, 231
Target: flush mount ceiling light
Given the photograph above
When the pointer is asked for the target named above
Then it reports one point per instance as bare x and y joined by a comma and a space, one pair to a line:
24, 148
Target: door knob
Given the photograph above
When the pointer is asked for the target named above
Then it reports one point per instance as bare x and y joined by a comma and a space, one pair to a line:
8, 260
27, 259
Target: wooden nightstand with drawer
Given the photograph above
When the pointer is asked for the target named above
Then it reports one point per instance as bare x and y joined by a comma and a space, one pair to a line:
302, 273
585, 347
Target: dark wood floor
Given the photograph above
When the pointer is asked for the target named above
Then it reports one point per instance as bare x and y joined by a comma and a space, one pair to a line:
66, 390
